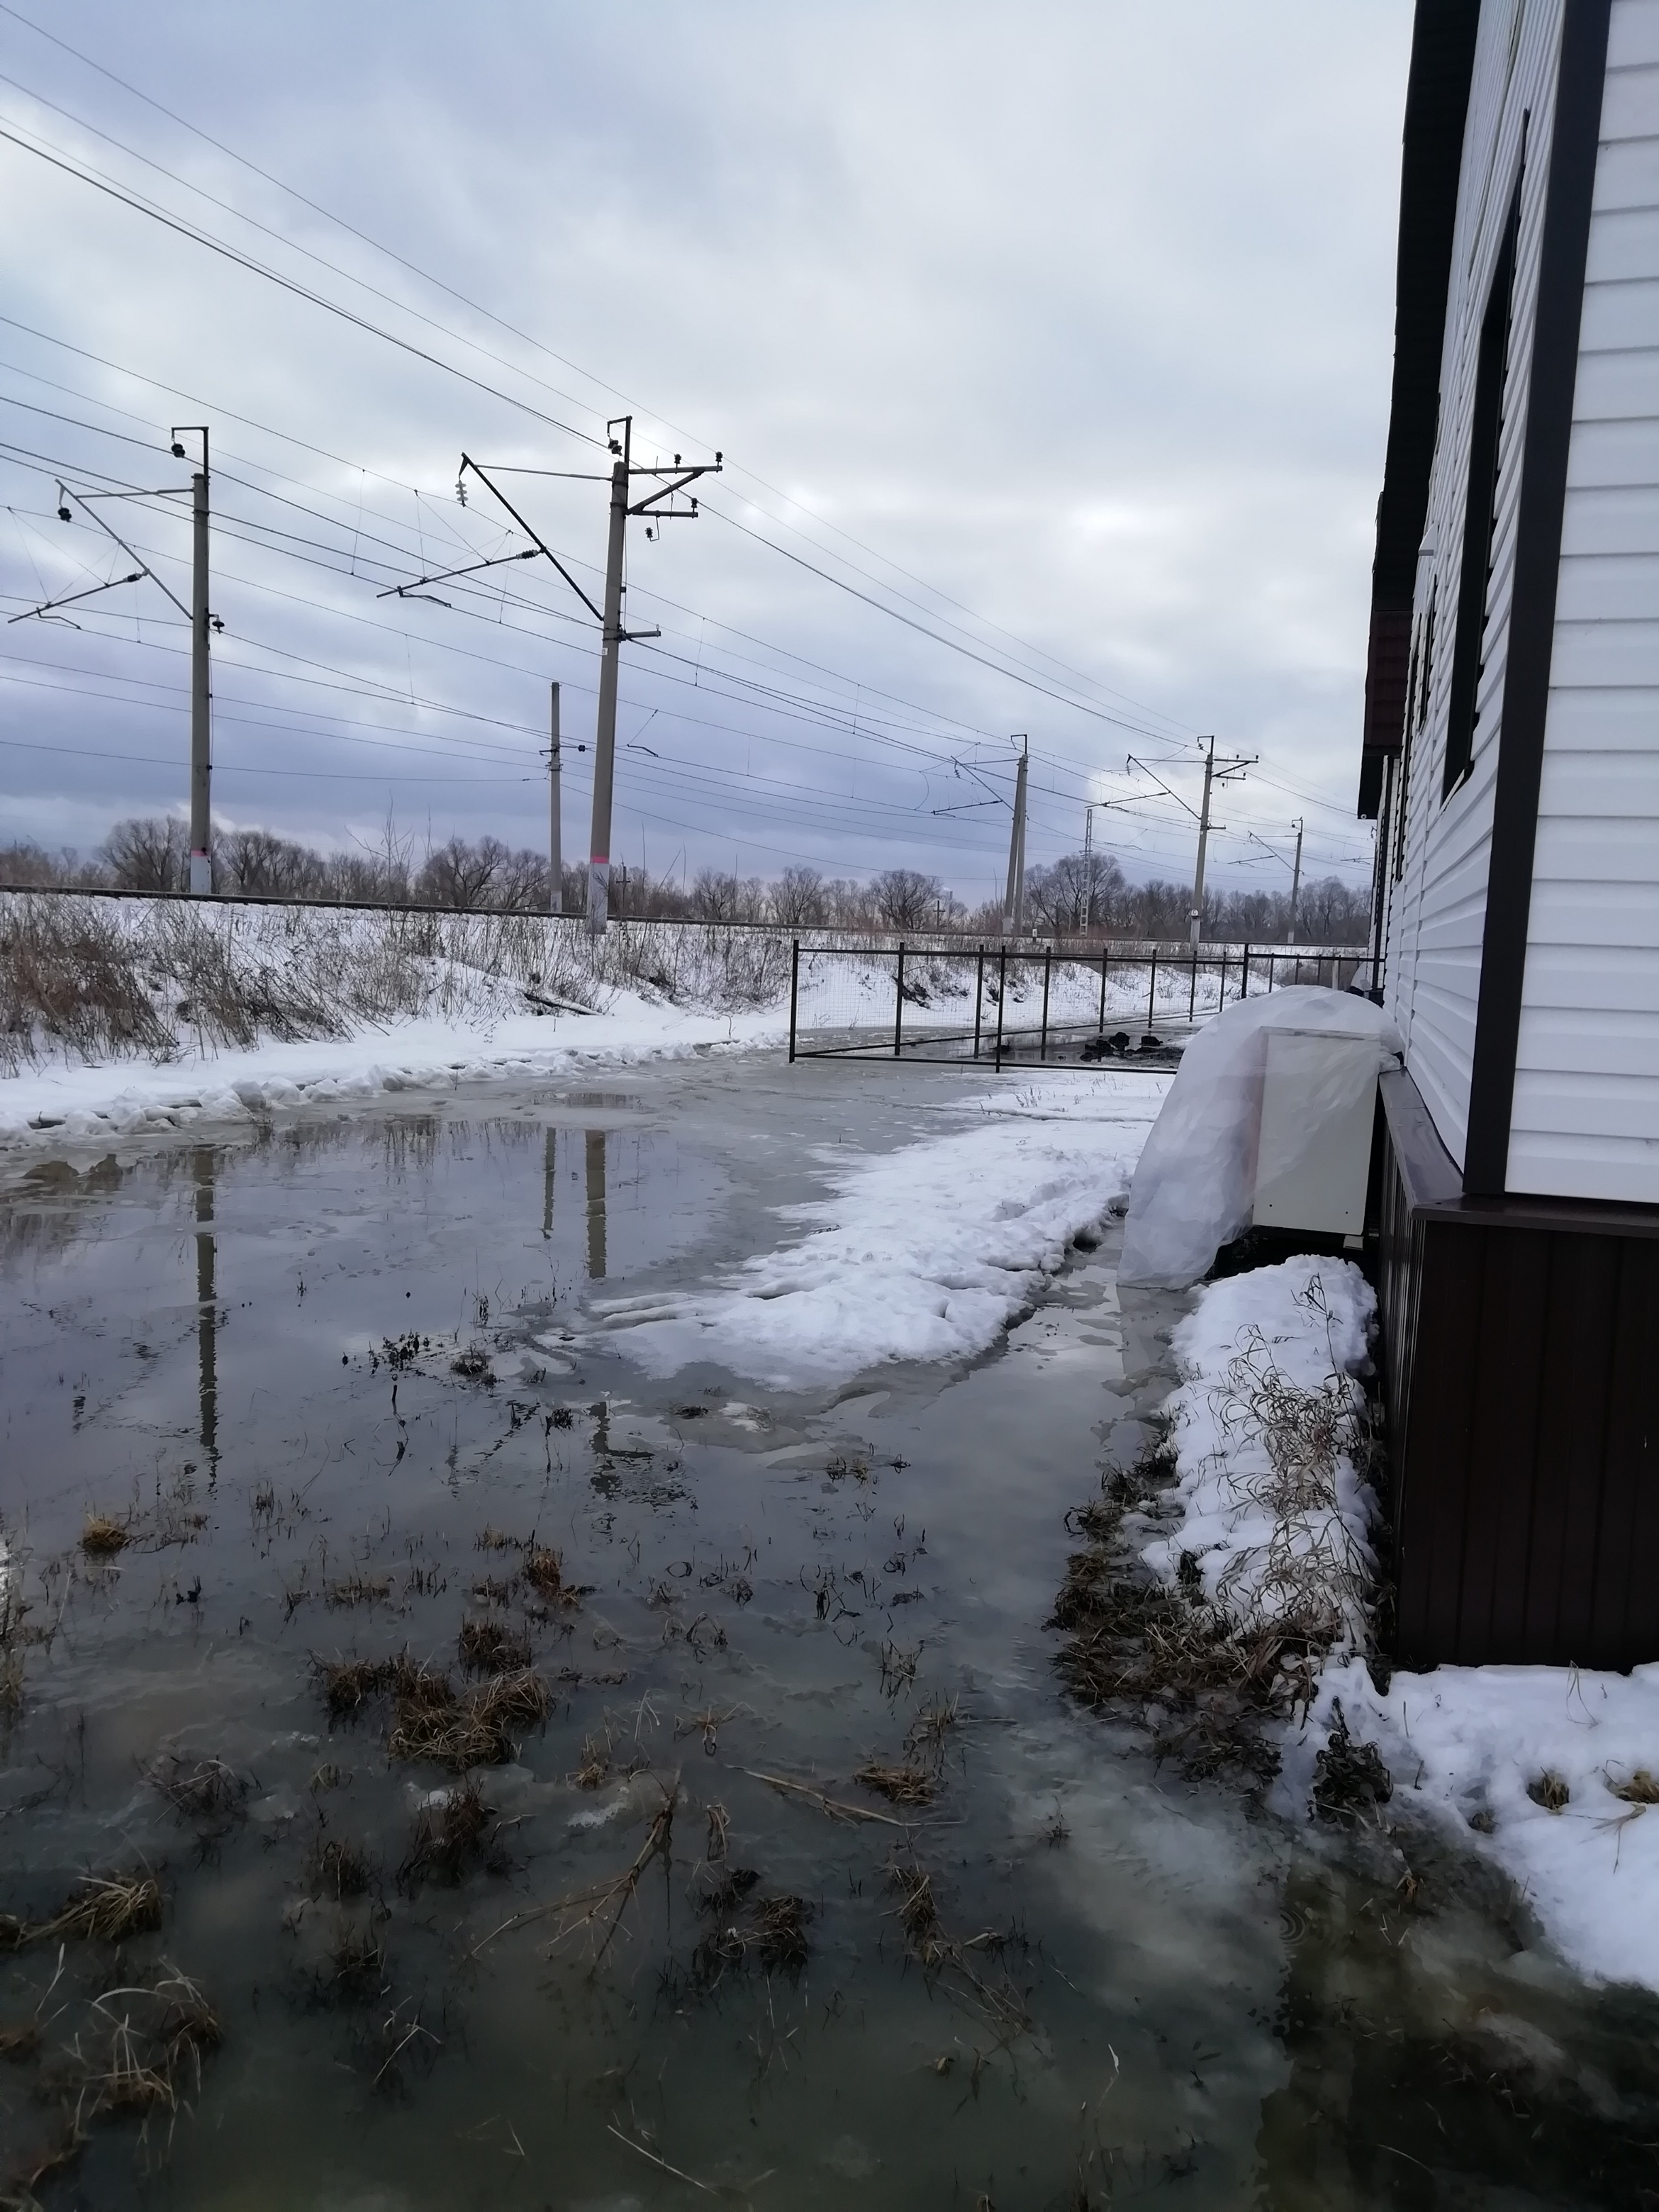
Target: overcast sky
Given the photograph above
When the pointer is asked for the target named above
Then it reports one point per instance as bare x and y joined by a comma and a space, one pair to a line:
1062, 330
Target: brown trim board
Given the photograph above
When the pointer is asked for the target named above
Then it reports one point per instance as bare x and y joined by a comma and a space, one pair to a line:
1565, 244
1518, 1352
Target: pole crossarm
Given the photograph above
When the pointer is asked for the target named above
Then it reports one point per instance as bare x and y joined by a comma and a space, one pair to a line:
682, 474
467, 462
143, 569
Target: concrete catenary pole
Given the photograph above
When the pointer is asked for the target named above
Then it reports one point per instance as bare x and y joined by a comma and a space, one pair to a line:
605, 751
1196, 918
1296, 881
555, 841
1014, 900
201, 704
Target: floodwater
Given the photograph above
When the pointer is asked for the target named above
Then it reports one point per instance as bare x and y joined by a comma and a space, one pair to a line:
1118, 1986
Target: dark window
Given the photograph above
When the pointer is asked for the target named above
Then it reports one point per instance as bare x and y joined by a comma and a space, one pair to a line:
1479, 509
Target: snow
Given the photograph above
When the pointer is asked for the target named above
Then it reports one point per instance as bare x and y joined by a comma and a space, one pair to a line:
1467, 1741
120, 1098
1303, 1324
1462, 1742
927, 1252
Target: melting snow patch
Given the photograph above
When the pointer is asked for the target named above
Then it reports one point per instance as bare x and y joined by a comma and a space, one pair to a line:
927, 1252
1264, 1427
1486, 1751
1550, 1772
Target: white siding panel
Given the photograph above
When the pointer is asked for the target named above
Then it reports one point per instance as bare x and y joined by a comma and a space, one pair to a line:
1633, 34
1603, 721
1624, 1171
1607, 456
1611, 589
1598, 848
1595, 923
1609, 521
1621, 788
1629, 102
1621, 244
1607, 996
1625, 314
1627, 175
1585, 1122
1624, 1106
1620, 652
1437, 910
1613, 385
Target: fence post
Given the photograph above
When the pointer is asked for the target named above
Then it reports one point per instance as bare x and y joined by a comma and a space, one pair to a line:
1002, 993
1101, 1030
1192, 995
898, 1005
979, 996
1152, 993
1244, 989
1047, 970
794, 993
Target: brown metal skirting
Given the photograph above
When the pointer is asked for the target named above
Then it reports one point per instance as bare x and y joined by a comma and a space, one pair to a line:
1521, 1352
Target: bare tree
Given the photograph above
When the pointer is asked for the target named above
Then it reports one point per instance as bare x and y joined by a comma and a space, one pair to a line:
149, 853
461, 875
1080, 891
905, 899
719, 898
797, 899
255, 861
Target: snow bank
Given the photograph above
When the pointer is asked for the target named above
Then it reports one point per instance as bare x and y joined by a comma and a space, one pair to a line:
927, 1252
1465, 1746
1465, 1742
1264, 1426
120, 1098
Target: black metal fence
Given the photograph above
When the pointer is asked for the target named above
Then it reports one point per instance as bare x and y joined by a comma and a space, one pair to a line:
1017, 1004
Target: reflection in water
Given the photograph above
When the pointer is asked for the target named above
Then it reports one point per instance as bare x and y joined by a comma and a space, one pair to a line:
839, 1585
207, 1308
596, 1204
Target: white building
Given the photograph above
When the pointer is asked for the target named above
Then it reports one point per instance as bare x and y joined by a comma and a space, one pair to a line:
1511, 761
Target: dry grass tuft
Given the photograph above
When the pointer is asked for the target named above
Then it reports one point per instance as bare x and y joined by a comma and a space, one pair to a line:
109, 1908
490, 1647
781, 1932
448, 1839
722, 1893
1641, 1788
900, 1785
475, 1730
356, 1961
338, 1870
360, 1589
1551, 1791
347, 1685
1350, 1780
198, 1789
101, 1538
544, 1569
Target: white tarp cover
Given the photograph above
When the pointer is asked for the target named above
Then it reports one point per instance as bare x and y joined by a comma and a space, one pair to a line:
1195, 1187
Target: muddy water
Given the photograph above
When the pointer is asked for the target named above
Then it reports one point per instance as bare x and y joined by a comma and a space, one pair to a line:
1122, 1986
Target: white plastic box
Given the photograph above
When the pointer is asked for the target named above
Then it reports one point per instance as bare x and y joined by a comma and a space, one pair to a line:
1318, 1110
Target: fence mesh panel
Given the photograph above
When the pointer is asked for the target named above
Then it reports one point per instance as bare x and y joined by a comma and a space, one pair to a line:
860, 1002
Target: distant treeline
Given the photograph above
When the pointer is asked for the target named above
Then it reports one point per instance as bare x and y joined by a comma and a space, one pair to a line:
1079, 896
